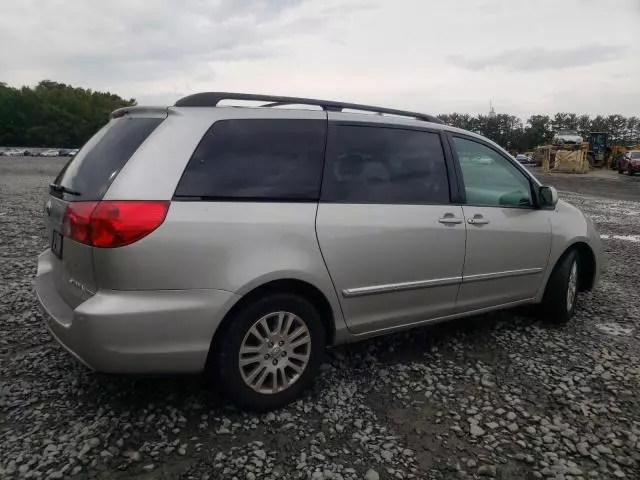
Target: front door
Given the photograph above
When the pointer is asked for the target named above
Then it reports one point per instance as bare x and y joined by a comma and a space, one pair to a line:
508, 239
391, 239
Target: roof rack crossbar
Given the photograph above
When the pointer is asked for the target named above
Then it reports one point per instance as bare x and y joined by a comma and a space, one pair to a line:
212, 99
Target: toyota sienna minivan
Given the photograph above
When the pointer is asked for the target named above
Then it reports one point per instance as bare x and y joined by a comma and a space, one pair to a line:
243, 241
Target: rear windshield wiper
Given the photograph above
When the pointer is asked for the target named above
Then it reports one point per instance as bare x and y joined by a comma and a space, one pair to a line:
62, 189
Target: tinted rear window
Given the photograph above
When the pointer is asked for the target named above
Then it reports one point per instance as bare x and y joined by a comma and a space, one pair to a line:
257, 159
96, 165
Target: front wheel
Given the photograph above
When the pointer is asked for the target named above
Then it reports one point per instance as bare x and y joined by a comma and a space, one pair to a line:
560, 296
270, 352
630, 172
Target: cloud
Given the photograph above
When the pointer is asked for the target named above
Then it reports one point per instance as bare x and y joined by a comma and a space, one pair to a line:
133, 39
539, 58
406, 54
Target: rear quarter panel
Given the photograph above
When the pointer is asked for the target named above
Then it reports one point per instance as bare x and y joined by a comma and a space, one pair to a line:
232, 246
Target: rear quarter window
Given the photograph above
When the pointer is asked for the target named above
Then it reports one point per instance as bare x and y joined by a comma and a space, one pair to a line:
256, 159
93, 169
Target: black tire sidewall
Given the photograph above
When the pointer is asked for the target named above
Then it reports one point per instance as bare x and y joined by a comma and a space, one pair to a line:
227, 371
554, 302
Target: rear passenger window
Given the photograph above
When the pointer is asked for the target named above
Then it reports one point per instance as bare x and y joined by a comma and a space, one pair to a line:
385, 165
257, 159
93, 169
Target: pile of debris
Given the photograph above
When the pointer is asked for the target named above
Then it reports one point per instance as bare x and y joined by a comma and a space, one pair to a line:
553, 158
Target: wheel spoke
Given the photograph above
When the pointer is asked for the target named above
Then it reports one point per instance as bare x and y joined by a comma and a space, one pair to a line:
296, 368
252, 376
246, 349
301, 341
264, 324
274, 386
287, 325
260, 381
244, 361
278, 329
300, 358
297, 332
285, 379
256, 333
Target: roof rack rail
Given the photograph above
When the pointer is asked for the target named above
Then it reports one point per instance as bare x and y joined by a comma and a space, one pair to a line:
211, 99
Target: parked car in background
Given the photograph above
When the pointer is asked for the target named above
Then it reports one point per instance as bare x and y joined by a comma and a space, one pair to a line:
567, 136
50, 153
523, 159
73, 152
242, 242
14, 152
630, 162
67, 152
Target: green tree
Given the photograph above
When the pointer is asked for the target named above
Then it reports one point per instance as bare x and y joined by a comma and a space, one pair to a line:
616, 126
538, 131
599, 124
464, 120
632, 131
584, 125
53, 114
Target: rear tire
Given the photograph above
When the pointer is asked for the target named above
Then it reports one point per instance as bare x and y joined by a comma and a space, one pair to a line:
560, 296
275, 371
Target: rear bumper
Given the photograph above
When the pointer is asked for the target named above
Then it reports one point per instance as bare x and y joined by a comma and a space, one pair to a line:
158, 331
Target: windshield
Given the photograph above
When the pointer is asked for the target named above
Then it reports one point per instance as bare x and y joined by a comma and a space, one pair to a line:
635, 154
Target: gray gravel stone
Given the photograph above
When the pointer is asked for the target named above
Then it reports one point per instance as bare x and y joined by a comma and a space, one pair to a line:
487, 471
372, 475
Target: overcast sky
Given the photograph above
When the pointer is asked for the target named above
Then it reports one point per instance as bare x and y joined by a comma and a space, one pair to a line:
525, 56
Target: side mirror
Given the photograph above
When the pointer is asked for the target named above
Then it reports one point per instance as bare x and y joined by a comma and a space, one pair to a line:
548, 196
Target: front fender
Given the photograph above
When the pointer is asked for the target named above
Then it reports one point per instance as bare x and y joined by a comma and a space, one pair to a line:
570, 228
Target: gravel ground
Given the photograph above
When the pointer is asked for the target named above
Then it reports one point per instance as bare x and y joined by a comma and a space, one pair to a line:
493, 396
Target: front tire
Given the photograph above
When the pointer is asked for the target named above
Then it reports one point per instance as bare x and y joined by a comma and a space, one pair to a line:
630, 172
270, 353
561, 294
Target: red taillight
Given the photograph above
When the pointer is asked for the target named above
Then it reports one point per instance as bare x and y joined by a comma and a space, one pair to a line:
77, 221
112, 224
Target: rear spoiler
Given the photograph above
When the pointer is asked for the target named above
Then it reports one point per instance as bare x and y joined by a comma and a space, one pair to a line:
160, 112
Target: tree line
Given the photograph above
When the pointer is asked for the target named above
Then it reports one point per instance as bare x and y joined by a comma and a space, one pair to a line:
53, 114
510, 132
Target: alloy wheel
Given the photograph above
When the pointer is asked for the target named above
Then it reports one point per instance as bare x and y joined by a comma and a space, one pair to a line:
275, 352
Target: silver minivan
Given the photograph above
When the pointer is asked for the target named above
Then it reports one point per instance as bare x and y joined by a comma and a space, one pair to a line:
242, 241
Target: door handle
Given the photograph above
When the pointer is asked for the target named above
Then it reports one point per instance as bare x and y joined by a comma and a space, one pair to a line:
449, 219
477, 220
